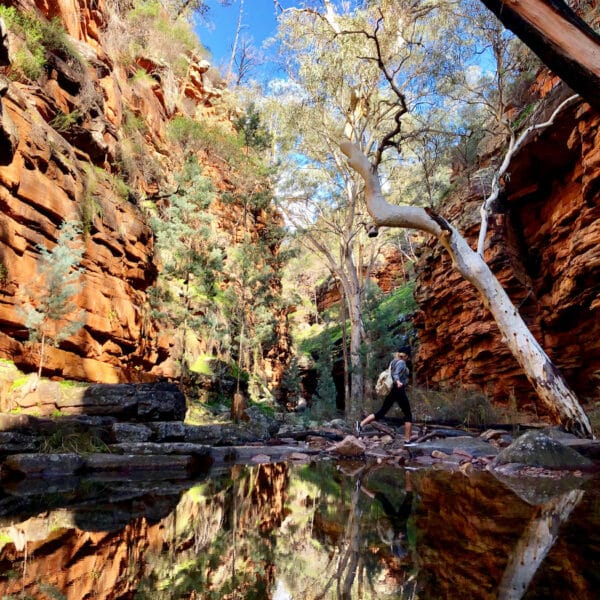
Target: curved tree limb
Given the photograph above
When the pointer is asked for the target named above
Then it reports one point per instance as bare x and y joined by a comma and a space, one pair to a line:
513, 145
551, 387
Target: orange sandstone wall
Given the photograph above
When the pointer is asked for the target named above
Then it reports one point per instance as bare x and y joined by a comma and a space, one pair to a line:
544, 246
48, 174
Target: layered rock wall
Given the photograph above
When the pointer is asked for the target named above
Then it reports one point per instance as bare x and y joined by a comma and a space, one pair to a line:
544, 246
69, 139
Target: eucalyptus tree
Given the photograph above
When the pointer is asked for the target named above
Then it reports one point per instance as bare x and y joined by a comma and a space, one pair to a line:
399, 52
549, 384
332, 92
319, 196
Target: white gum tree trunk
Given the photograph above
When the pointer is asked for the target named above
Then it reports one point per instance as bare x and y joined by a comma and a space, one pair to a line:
549, 384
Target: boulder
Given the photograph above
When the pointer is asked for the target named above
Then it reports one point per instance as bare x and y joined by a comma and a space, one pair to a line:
349, 446
538, 449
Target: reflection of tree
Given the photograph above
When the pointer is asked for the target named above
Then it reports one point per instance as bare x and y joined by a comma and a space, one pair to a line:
220, 539
535, 543
349, 558
361, 561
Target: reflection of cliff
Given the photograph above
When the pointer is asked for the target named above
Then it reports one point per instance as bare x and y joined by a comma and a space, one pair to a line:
215, 537
305, 531
470, 529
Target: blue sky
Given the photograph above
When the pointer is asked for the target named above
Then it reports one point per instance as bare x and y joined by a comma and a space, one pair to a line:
217, 30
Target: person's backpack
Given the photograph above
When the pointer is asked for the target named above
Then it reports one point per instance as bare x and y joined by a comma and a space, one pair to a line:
384, 382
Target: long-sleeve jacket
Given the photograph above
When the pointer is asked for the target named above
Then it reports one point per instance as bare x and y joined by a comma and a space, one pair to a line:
399, 371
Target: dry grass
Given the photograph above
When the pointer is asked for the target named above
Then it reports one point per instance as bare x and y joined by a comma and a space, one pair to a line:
459, 407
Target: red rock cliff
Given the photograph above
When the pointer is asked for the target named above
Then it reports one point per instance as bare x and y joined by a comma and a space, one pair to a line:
544, 246
64, 147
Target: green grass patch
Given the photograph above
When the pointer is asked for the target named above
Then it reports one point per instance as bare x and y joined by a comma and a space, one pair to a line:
19, 382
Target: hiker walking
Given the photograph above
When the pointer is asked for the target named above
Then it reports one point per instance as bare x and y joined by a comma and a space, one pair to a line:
399, 372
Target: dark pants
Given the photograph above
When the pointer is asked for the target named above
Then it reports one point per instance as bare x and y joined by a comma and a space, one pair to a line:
398, 394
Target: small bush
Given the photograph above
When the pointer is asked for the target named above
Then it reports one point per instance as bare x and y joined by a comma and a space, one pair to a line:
63, 122
89, 207
40, 36
143, 77
151, 32
132, 123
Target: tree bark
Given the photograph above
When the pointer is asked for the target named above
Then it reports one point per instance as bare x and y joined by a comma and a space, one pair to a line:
550, 386
562, 40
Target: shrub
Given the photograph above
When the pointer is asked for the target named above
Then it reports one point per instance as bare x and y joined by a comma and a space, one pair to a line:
65, 440
49, 313
63, 122
39, 37
89, 207
152, 33
194, 135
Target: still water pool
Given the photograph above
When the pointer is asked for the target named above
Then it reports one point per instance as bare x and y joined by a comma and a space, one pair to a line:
319, 530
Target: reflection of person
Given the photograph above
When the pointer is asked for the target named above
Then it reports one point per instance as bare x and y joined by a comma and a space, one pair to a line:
397, 534
399, 372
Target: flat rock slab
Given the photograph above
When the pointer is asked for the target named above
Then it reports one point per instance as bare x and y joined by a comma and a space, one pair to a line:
14, 442
153, 448
465, 445
144, 402
162, 465
44, 465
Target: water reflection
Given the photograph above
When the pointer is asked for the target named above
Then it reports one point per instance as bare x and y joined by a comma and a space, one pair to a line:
319, 530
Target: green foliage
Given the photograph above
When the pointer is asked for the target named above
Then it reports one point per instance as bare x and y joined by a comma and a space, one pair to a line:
151, 32
89, 208
254, 133
39, 36
142, 76
63, 122
250, 301
326, 390
29, 60
133, 123
19, 382
51, 591
202, 365
290, 380
48, 307
119, 186
309, 339
191, 260
195, 135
